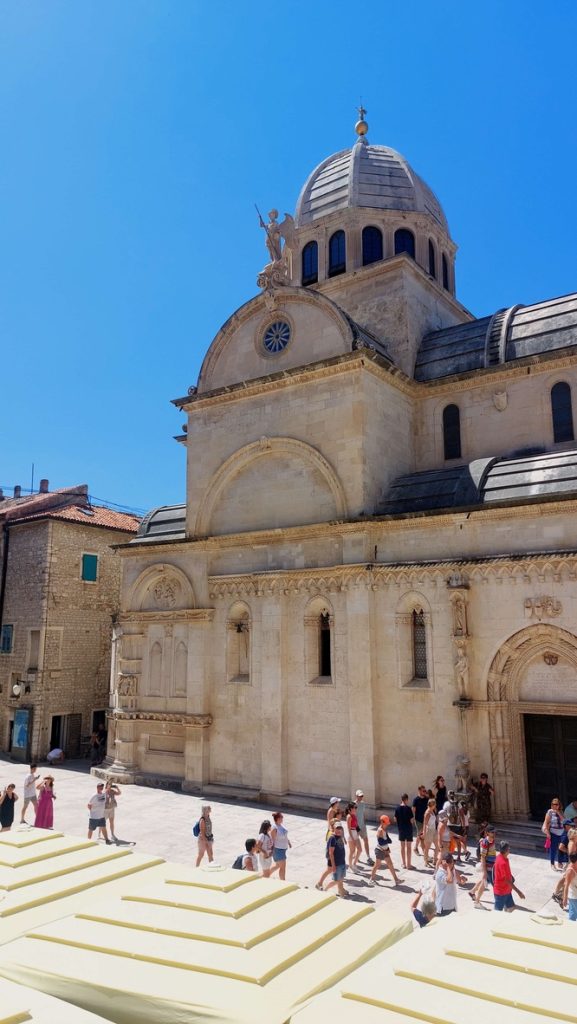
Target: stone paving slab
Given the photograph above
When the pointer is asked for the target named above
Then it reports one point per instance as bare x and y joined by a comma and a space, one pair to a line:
160, 822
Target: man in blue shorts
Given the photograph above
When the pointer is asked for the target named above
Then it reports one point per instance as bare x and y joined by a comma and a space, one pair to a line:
337, 859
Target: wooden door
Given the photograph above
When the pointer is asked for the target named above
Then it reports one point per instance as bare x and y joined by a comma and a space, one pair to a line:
551, 745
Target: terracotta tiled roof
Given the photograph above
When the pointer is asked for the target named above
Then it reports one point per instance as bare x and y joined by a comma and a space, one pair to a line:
89, 515
28, 504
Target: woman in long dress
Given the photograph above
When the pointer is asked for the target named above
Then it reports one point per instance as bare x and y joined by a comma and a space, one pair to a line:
46, 797
7, 801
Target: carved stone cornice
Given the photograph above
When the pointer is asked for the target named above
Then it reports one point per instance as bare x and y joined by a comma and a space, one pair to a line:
339, 578
484, 377
201, 721
373, 527
180, 615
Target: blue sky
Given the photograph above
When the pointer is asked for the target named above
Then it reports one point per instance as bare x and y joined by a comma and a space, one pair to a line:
137, 135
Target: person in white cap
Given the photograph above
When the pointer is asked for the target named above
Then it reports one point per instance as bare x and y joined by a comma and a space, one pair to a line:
334, 806
362, 823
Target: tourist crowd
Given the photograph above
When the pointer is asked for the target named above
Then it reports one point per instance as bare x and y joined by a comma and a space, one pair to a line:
436, 825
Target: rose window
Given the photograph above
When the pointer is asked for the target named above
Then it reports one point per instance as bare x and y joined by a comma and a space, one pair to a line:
277, 336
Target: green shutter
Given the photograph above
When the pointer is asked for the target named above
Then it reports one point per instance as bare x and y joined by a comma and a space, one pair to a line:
6, 639
89, 568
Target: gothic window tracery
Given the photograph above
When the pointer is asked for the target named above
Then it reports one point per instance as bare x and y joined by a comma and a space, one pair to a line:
419, 645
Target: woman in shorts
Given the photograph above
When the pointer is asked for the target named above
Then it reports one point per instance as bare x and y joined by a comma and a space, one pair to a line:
280, 844
111, 791
430, 832
383, 857
205, 835
353, 836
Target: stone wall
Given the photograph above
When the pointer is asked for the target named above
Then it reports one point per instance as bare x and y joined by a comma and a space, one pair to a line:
45, 591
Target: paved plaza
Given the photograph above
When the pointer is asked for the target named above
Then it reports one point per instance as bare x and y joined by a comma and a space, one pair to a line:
160, 822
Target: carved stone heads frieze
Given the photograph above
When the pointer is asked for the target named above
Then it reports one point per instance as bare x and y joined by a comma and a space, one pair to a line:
544, 607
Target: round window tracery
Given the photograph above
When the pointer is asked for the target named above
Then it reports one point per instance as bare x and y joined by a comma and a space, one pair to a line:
276, 337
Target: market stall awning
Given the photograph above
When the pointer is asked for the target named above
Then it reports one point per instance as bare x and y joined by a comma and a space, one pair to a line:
45, 875
19, 1005
198, 945
514, 970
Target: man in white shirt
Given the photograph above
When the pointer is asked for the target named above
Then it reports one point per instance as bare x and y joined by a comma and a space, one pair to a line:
29, 793
96, 818
446, 887
55, 756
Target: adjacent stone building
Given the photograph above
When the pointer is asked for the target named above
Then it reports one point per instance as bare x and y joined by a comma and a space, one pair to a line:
59, 593
374, 573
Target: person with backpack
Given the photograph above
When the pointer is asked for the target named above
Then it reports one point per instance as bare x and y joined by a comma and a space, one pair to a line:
249, 859
456, 826
203, 832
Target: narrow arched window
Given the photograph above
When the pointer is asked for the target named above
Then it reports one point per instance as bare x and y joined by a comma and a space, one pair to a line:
432, 261
324, 645
310, 263
445, 266
562, 412
372, 245
452, 432
405, 242
337, 254
238, 645
419, 646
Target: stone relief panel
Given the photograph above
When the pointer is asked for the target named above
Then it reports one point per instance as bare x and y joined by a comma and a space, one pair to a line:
161, 588
544, 607
165, 593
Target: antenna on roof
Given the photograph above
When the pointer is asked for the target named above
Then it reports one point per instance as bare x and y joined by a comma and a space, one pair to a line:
32, 480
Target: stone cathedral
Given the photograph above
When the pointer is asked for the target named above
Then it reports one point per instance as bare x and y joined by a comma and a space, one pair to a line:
373, 577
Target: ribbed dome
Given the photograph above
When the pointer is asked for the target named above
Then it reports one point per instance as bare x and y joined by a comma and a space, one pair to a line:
366, 176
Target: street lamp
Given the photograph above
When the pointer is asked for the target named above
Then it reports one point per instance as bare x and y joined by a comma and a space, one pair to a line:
16, 689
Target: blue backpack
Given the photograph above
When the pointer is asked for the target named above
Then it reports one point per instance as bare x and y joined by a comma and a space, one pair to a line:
196, 829
238, 862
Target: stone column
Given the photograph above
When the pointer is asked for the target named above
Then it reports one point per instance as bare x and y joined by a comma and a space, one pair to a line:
272, 737
121, 759
359, 629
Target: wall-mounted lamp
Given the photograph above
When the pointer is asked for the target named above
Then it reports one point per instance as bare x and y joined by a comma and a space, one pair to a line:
16, 690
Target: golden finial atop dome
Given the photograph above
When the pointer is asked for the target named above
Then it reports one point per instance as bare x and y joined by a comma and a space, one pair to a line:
361, 126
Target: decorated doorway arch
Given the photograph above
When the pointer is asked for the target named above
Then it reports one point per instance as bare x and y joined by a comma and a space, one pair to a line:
533, 672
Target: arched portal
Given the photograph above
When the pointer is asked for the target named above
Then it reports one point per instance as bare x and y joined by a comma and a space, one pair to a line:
532, 708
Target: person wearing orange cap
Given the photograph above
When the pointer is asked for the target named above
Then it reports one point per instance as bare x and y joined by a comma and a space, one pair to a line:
383, 857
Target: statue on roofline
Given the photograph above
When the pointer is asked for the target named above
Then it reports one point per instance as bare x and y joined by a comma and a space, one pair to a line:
277, 272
